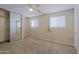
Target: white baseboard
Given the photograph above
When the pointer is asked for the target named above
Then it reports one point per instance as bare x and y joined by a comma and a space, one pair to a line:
51, 40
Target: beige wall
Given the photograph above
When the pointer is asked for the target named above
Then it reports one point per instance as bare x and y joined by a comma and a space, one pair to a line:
2, 13
62, 35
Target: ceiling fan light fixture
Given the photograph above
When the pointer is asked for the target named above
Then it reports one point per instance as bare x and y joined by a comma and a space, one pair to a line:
31, 9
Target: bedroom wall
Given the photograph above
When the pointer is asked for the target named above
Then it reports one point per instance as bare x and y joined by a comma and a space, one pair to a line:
61, 35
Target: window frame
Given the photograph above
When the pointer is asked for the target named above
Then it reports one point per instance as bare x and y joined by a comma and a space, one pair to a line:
58, 26
30, 23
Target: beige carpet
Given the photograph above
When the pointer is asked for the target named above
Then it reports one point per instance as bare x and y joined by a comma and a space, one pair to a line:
36, 46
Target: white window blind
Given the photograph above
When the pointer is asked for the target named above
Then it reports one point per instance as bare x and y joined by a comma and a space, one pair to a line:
34, 23
19, 24
57, 21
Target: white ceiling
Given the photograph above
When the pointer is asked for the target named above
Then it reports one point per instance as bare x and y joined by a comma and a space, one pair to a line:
45, 8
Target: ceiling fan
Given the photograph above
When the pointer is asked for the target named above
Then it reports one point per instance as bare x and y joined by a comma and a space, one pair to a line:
34, 7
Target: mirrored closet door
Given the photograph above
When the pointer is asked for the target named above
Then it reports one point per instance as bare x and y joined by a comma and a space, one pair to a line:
15, 26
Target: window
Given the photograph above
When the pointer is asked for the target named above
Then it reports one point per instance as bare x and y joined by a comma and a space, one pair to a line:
19, 24
57, 21
34, 23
